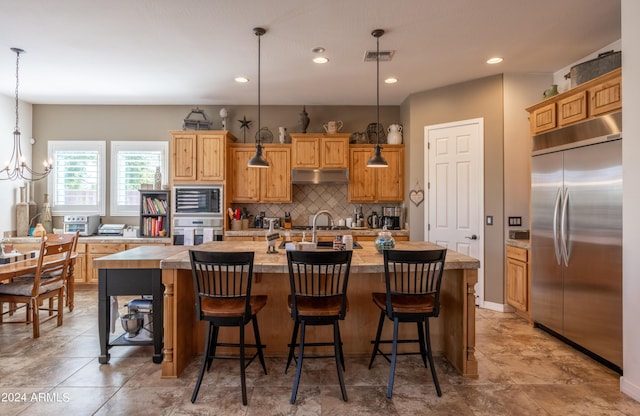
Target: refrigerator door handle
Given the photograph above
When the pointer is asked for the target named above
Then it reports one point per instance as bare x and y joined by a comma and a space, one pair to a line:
556, 243
564, 228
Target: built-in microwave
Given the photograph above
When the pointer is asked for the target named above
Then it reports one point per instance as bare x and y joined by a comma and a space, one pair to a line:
198, 200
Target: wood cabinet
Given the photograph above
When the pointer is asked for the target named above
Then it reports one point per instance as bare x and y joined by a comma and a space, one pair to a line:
606, 96
596, 97
376, 184
80, 268
198, 155
272, 184
320, 151
572, 108
99, 250
518, 279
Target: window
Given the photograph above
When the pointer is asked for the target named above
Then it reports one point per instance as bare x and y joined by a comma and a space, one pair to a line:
132, 164
76, 184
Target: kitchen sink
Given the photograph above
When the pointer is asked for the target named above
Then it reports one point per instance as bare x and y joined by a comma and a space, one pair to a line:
325, 245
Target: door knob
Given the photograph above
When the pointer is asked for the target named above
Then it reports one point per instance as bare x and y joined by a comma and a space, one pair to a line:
472, 237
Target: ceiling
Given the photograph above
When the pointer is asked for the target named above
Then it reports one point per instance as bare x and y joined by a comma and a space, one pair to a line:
188, 52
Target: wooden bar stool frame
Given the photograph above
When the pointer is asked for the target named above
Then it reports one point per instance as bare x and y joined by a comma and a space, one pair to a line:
413, 279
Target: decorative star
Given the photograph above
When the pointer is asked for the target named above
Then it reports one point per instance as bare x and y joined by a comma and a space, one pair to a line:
244, 125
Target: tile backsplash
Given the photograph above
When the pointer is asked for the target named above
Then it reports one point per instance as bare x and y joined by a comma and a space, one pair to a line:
309, 199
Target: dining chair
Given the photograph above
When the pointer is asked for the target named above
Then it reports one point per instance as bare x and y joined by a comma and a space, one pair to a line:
70, 278
412, 280
47, 283
318, 281
222, 283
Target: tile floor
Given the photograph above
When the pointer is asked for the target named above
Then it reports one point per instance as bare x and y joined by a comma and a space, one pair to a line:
523, 371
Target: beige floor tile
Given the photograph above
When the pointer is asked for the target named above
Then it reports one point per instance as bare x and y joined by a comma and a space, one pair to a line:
523, 371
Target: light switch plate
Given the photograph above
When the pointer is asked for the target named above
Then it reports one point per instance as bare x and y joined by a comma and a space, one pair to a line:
489, 220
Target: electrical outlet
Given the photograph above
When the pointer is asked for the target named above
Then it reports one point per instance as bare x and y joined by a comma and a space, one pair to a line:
515, 221
7, 234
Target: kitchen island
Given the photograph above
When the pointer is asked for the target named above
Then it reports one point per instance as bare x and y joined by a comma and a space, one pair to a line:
452, 334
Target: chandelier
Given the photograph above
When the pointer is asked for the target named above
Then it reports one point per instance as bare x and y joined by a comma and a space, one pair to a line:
17, 167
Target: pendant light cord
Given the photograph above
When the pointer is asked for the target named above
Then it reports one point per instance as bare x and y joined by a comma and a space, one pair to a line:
17, 51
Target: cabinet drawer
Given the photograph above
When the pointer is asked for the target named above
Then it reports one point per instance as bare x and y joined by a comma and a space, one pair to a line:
517, 253
105, 248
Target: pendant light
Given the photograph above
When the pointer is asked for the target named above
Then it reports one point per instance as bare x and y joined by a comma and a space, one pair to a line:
377, 161
17, 167
258, 161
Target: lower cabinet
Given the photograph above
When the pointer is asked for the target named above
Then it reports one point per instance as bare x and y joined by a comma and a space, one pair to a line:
95, 251
518, 279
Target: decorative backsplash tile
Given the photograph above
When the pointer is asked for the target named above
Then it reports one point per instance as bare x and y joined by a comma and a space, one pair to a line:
309, 199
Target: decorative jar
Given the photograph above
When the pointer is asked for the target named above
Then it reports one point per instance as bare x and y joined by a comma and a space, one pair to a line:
385, 240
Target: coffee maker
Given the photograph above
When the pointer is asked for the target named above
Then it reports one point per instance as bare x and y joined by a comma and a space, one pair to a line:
391, 217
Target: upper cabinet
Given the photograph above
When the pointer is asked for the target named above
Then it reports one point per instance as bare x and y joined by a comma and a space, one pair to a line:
320, 151
273, 184
198, 155
376, 184
599, 96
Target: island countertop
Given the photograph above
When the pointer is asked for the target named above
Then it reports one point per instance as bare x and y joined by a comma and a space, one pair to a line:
453, 333
365, 260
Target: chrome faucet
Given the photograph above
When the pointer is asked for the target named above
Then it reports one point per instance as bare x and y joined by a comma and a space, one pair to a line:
314, 237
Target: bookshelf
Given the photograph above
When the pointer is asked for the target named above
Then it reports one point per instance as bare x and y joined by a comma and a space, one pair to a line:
155, 213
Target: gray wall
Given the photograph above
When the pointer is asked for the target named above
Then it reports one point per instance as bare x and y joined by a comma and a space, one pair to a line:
473, 99
107, 122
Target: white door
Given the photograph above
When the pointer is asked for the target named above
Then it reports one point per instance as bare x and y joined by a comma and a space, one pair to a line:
455, 192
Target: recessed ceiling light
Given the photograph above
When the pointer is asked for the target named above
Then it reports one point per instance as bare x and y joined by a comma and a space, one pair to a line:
391, 80
241, 80
320, 60
495, 60
318, 49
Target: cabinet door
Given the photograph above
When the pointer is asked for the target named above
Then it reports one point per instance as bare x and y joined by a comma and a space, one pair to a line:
334, 152
362, 186
543, 118
517, 293
275, 182
305, 152
572, 108
183, 157
210, 156
390, 180
243, 181
606, 97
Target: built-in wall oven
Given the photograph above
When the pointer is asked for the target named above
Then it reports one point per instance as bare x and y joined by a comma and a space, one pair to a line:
197, 215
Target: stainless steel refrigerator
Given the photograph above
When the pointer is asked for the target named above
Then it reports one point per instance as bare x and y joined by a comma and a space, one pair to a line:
576, 237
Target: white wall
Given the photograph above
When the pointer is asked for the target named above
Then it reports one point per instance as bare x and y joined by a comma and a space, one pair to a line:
630, 383
7, 125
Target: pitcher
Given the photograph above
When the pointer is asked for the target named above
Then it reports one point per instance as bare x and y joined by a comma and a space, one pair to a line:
395, 134
332, 127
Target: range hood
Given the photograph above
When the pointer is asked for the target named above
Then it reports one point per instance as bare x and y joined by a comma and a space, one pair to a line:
320, 176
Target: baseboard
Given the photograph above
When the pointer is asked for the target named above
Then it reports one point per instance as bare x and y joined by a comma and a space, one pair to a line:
630, 389
498, 307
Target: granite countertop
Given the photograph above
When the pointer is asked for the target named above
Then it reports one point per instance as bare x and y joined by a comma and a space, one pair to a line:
101, 239
519, 243
260, 232
365, 260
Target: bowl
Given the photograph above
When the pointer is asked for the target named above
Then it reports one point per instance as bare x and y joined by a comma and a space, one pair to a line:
132, 323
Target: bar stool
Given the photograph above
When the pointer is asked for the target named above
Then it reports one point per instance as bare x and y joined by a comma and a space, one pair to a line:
318, 297
222, 283
412, 280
